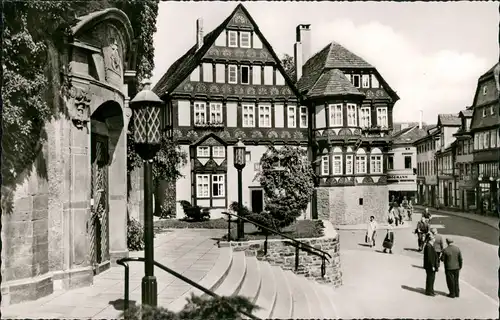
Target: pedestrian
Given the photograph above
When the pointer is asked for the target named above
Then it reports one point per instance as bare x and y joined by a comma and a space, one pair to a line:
452, 258
371, 231
410, 211
421, 232
430, 265
388, 240
427, 215
391, 218
401, 213
438, 245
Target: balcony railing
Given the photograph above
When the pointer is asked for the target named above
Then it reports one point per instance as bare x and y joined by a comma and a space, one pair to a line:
209, 124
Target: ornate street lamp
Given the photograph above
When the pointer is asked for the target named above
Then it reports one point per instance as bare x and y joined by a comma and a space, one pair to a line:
148, 125
239, 164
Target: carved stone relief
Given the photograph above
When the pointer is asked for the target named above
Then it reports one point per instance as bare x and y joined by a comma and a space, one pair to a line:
286, 135
177, 133
367, 180
80, 112
272, 134
257, 134
239, 134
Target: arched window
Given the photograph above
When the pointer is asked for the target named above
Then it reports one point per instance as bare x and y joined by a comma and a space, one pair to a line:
337, 161
361, 161
376, 161
349, 161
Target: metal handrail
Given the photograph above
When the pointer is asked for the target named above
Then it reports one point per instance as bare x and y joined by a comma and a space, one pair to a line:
298, 244
123, 262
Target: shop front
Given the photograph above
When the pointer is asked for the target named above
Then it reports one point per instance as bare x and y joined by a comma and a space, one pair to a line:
402, 185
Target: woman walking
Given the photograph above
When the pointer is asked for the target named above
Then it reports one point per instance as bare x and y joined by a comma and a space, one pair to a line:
389, 240
371, 231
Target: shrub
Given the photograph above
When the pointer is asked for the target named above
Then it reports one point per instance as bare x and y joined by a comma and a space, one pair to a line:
244, 210
166, 211
195, 213
135, 235
265, 219
197, 308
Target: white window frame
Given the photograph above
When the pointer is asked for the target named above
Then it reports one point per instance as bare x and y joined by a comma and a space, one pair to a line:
352, 119
218, 152
360, 159
200, 111
249, 74
202, 152
365, 80
325, 165
257, 75
365, 119
376, 161
264, 110
200, 192
219, 184
337, 164
349, 164
379, 117
232, 68
335, 110
232, 34
291, 116
303, 116
216, 112
242, 33
249, 111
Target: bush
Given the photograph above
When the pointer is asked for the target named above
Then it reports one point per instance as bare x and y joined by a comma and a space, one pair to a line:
166, 211
135, 235
265, 219
197, 308
244, 210
183, 224
195, 213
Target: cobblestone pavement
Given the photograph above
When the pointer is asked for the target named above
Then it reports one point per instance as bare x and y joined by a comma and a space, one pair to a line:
191, 252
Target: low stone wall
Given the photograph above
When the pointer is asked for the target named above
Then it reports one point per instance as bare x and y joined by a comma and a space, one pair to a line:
281, 252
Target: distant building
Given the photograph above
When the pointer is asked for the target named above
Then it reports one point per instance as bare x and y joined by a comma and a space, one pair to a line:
426, 167
466, 194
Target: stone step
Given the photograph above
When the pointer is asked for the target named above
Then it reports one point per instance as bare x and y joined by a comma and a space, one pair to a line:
251, 283
234, 279
315, 306
267, 293
300, 302
284, 305
342, 306
326, 301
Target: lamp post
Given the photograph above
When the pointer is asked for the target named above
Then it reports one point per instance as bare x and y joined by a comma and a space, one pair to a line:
239, 164
148, 125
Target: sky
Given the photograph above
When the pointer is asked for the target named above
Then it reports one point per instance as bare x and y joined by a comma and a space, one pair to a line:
431, 54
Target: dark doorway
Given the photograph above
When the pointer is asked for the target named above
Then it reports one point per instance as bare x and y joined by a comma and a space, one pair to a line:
257, 200
445, 195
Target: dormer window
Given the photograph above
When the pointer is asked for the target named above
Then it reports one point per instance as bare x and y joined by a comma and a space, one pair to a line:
244, 39
232, 39
203, 152
356, 81
365, 79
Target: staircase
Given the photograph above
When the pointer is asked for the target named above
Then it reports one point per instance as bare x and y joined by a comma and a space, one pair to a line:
281, 294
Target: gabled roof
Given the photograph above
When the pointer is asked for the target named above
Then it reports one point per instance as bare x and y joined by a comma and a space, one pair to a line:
466, 113
449, 120
183, 67
334, 56
488, 73
409, 135
333, 82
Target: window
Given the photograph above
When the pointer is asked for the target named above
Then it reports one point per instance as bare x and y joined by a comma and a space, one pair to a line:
365, 117
248, 156
360, 164
220, 73
292, 117
280, 80
484, 112
200, 113
335, 115
215, 112
356, 81
303, 117
382, 117
375, 83
268, 75
203, 152
195, 75
476, 141
202, 187
337, 164
408, 162
248, 115
348, 164
233, 38
365, 79
376, 164
325, 166
218, 185
487, 140
352, 115
257, 74
492, 111
390, 163
208, 72
232, 74
257, 44
218, 152
485, 90
245, 74
264, 116
493, 139
244, 39
349, 77
498, 138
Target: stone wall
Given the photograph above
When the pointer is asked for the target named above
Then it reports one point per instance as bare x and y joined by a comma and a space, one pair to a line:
281, 253
341, 205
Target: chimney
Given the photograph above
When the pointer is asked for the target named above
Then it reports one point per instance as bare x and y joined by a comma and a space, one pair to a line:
199, 33
302, 47
421, 116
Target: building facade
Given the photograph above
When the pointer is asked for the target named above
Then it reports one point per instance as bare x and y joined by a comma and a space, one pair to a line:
485, 129
426, 167
466, 194
232, 85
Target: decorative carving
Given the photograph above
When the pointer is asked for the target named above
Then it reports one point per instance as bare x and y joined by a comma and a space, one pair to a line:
214, 88
330, 133
369, 94
188, 87
211, 142
226, 89
274, 91
298, 135
332, 181
239, 134
251, 91
367, 180
272, 134
342, 180
285, 135
239, 19
250, 53
226, 53
239, 53
201, 87
357, 131
379, 93
192, 135
224, 134
318, 133
345, 132
382, 180
116, 62
239, 90
214, 52
286, 91
80, 114
257, 134
262, 91
263, 54
177, 133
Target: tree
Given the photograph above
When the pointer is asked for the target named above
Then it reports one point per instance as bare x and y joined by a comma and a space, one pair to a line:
288, 182
289, 65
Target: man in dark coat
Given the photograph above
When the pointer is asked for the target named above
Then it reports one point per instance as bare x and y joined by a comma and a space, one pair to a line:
438, 245
452, 258
430, 265
421, 231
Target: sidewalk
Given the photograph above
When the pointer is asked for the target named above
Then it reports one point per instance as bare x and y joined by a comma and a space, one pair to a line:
490, 221
191, 252
377, 285
381, 226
